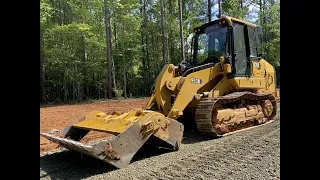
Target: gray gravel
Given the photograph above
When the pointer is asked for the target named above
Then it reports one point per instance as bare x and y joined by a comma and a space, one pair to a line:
250, 154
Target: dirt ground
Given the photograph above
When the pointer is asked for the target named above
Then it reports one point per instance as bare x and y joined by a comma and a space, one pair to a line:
58, 117
250, 154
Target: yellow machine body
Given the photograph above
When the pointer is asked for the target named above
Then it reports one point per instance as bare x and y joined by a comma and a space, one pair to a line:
262, 79
219, 102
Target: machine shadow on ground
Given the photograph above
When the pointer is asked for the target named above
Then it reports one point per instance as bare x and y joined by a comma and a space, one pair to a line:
71, 165
62, 165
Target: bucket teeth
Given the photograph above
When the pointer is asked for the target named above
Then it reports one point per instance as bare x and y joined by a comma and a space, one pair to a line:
120, 150
68, 143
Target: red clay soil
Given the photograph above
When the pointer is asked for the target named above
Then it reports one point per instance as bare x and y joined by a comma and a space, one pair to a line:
59, 117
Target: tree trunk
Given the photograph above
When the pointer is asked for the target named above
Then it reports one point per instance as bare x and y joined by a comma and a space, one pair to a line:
146, 58
65, 90
166, 32
115, 32
124, 64
261, 18
85, 69
64, 61
241, 8
113, 75
171, 49
264, 21
73, 80
260, 6
143, 35
108, 44
209, 11
79, 97
42, 79
99, 88
181, 31
164, 46
125, 84
147, 70
105, 90
220, 8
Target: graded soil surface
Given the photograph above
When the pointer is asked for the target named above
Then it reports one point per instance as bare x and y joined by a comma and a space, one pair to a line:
249, 154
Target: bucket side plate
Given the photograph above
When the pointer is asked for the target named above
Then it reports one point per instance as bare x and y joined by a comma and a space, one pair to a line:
120, 150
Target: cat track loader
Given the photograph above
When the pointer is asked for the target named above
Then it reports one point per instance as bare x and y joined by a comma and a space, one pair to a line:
226, 86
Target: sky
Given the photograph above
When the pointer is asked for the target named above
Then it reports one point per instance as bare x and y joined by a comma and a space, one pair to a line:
253, 9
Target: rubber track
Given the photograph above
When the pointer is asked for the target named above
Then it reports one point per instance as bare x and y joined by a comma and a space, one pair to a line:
206, 106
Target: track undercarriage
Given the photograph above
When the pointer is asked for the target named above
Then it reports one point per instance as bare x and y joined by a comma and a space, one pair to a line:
239, 110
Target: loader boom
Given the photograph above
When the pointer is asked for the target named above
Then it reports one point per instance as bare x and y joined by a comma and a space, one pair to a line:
217, 75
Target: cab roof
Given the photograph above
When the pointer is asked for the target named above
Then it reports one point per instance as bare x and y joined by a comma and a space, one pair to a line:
228, 19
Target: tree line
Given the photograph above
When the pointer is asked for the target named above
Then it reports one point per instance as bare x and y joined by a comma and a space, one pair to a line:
83, 42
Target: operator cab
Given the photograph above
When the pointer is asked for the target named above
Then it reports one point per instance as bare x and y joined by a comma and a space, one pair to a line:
210, 42
235, 40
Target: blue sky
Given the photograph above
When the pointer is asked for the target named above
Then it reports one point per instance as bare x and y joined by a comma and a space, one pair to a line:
252, 9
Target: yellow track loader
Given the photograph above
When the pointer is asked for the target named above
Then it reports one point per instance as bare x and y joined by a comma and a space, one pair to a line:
225, 86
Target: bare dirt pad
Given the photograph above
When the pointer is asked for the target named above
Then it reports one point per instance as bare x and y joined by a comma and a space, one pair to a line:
60, 116
251, 154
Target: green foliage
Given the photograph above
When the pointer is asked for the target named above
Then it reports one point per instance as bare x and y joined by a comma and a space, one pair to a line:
45, 10
233, 8
74, 42
271, 32
118, 93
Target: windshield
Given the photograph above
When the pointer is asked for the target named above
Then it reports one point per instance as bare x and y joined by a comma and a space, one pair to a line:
211, 44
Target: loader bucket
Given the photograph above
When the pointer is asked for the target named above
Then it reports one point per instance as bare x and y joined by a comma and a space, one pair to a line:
132, 130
